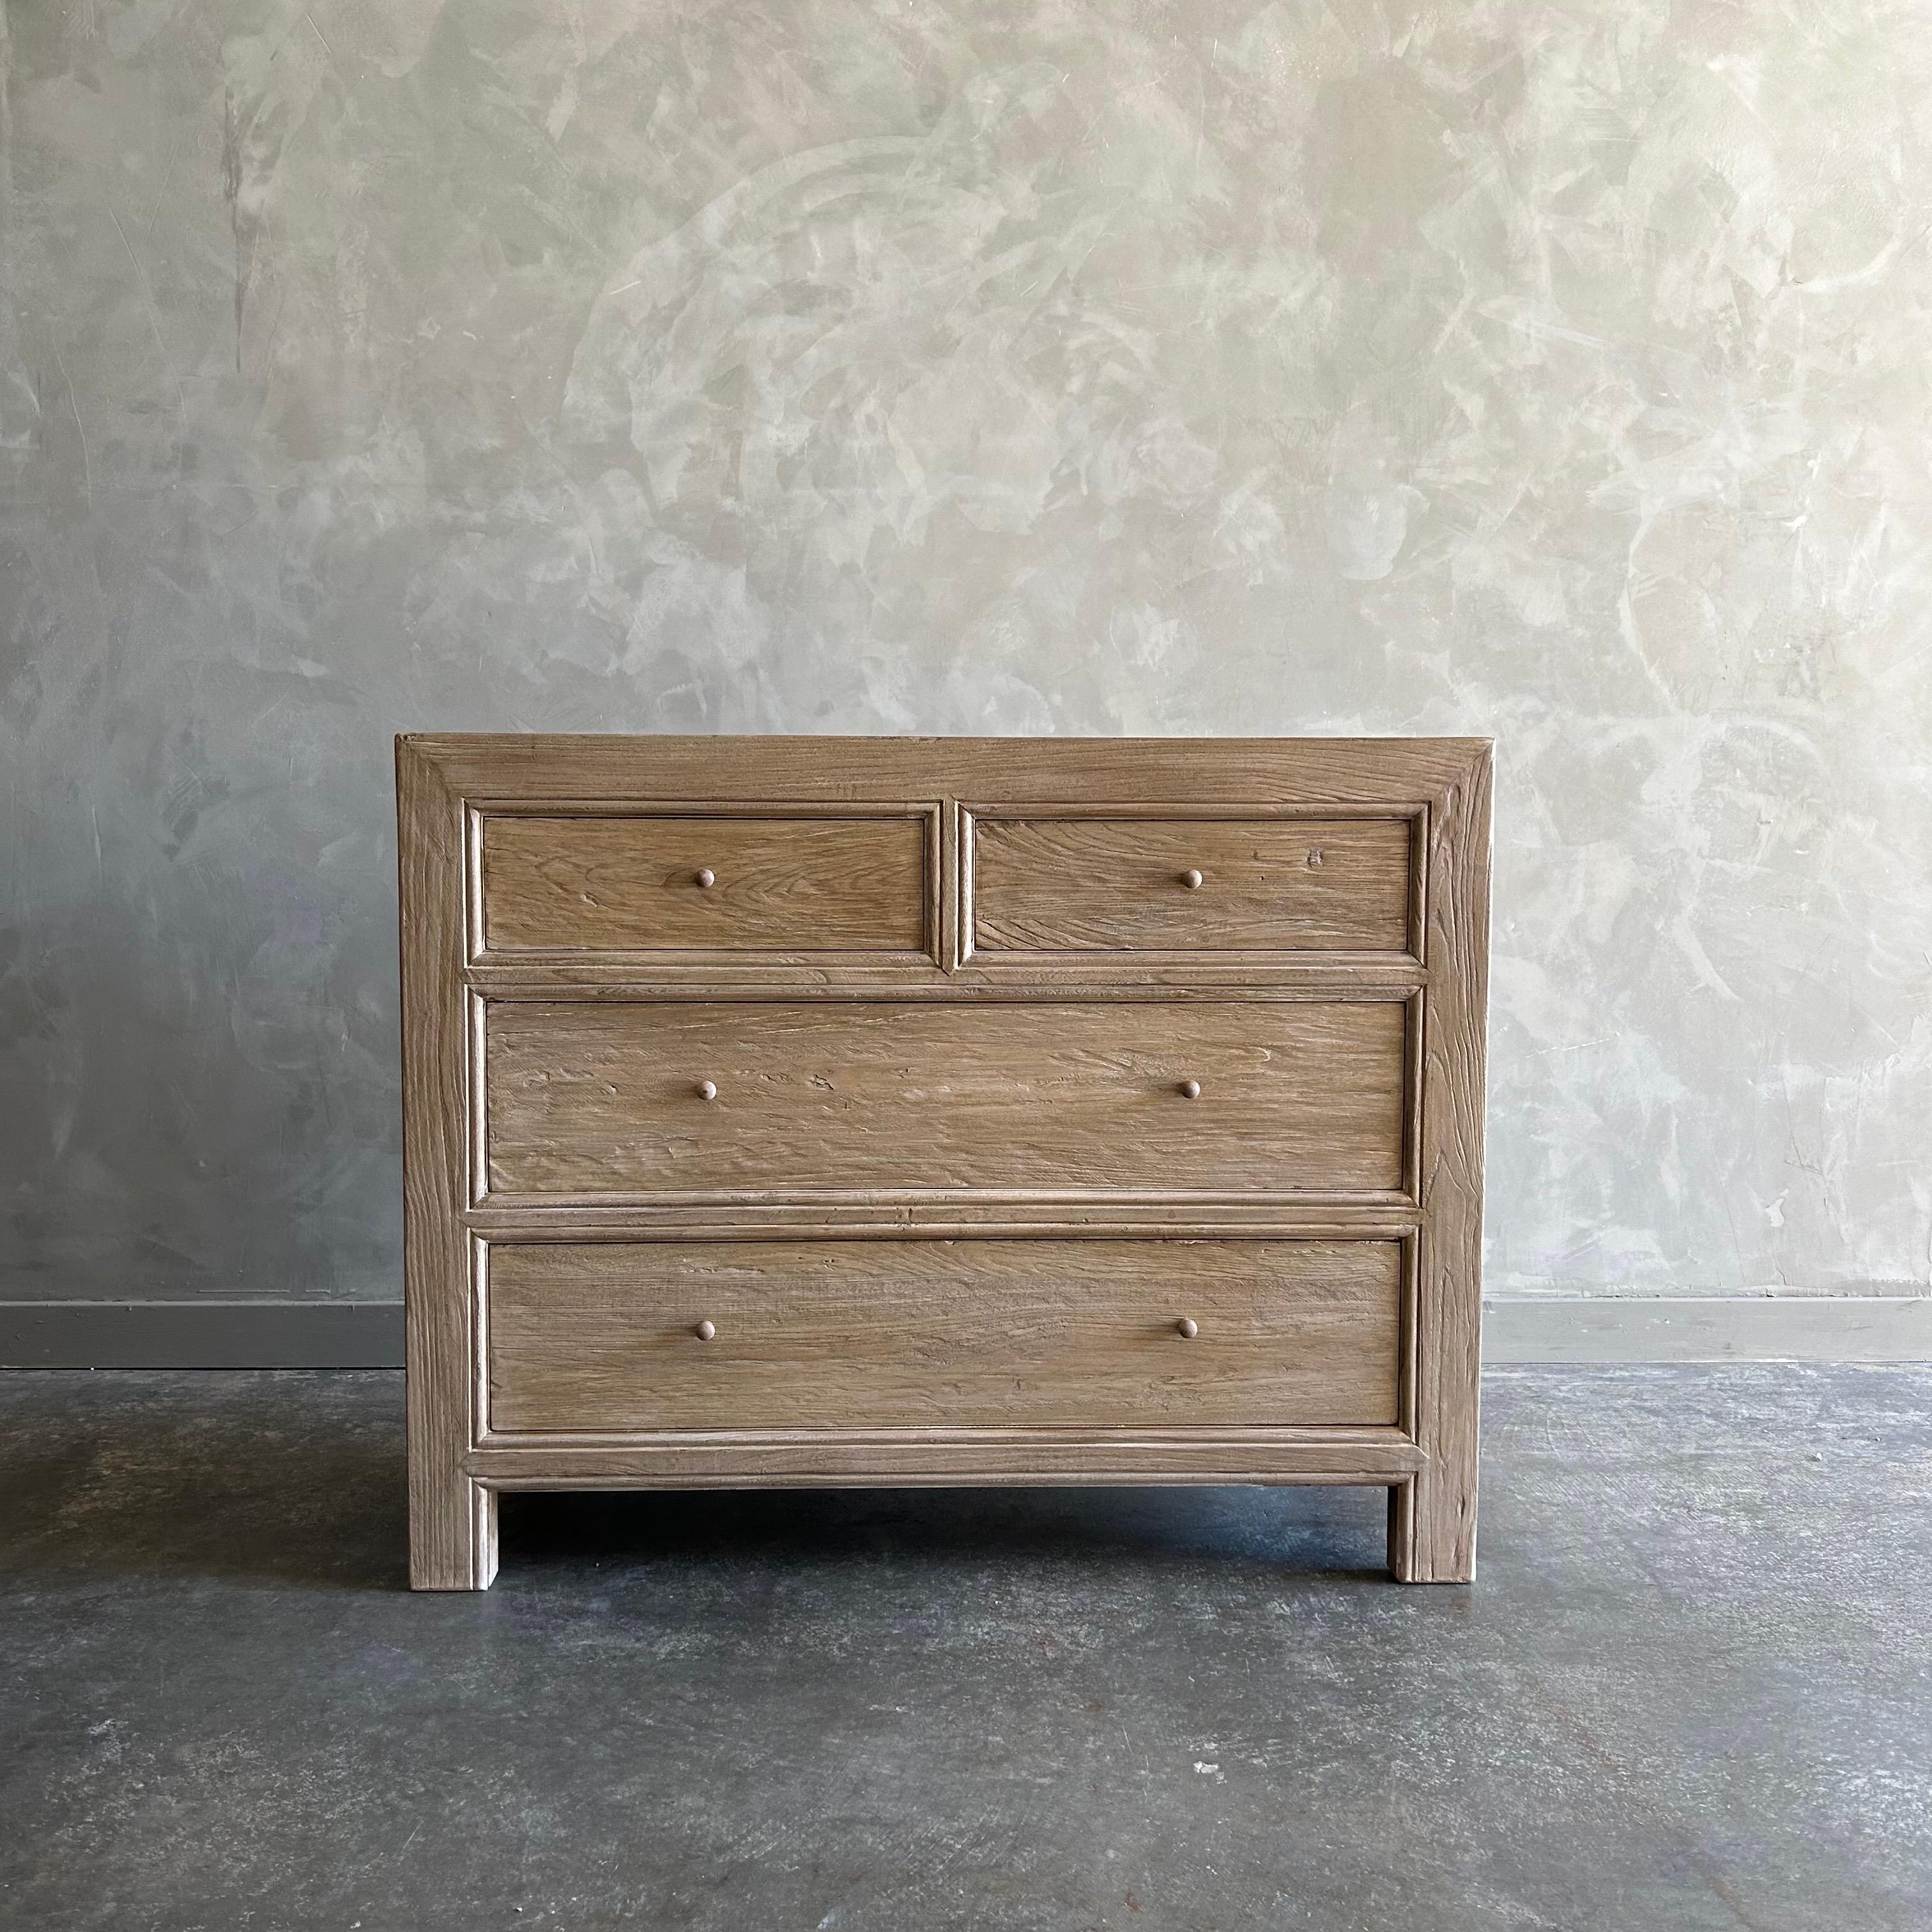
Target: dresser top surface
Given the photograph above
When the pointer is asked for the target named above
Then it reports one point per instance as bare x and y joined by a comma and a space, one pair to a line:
1142, 770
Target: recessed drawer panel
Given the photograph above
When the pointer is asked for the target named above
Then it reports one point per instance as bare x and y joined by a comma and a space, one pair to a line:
607, 1338
619, 1098
1192, 885
722, 884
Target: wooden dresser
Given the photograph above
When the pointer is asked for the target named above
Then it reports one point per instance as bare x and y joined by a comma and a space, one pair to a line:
789, 1111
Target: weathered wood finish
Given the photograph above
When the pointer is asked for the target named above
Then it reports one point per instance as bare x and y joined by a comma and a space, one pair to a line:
926, 1458
452, 1517
599, 1100
1192, 885
606, 1338
949, 1185
1432, 1521
644, 882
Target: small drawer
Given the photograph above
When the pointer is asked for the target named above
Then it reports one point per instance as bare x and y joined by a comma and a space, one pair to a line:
652, 882
1051, 884
613, 1099
621, 1337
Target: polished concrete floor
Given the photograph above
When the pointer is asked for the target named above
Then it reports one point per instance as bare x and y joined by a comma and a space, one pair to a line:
1691, 1687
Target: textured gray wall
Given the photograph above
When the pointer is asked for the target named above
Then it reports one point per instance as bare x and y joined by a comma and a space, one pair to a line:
1089, 366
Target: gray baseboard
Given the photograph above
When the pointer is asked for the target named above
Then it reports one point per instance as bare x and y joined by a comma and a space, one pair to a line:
1709, 1328
201, 1335
369, 1334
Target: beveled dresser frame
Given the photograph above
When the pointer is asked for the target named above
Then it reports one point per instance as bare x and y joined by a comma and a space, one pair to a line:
1427, 1461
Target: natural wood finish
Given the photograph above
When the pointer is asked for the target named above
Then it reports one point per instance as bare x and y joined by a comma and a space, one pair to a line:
1359, 991
1315, 774
637, 883
452, 1518
1432, 1522
985, 976
947, 1216
819, 1334
598, 1099
910, 1459
1201, 884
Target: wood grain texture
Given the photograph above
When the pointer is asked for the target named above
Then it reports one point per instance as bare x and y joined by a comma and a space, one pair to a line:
946, 1217
982, 975
452, 1518
600, 1099
901, 1459
1432, 1522
605, 1338
1200, 884
879, 1101
1306, 772
630, 883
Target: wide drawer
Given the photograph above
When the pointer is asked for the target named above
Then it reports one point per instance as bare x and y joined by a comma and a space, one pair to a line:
610, 1338
652, 883
1191, 885
626, 1098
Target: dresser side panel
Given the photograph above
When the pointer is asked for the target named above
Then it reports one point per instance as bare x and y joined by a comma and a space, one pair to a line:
1433, 1531
452, 1518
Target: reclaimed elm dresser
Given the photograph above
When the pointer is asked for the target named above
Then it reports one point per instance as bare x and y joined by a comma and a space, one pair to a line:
811, 1111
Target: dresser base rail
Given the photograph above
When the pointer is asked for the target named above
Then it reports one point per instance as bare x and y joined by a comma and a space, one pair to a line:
1368, 1458
939, 1457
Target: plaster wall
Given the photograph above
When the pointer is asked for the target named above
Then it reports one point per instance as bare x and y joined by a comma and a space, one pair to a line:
1089, 366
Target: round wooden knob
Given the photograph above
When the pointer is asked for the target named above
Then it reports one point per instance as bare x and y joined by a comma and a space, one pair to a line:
1191, 879
707, 1331
1190, 1090
1187, 1328
707, 1090
704, 876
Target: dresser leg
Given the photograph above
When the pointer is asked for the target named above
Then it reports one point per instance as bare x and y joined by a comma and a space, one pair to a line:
1402, 1532
1420, 1552
452, 1536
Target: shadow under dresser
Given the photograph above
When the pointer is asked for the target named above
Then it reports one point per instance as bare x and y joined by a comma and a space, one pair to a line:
863, 1110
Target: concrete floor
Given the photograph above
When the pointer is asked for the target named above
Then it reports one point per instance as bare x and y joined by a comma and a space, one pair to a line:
1690, 1689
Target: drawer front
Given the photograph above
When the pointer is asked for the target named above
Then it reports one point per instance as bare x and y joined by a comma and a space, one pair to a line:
648, 883
605, 1338
617, 1099
1196, 885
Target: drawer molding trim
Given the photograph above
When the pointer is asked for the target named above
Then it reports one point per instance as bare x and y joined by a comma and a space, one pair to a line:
934, 914
1080, 1333
1033, 959
590, 1103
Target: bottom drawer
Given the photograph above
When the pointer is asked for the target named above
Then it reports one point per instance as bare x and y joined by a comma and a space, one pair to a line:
608, 1338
